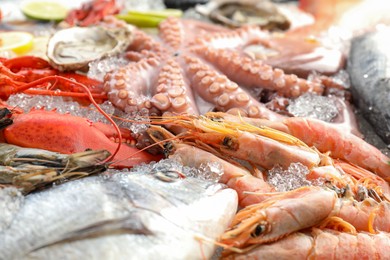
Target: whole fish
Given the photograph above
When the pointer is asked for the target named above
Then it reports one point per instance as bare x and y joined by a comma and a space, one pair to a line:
369, 69
157, 214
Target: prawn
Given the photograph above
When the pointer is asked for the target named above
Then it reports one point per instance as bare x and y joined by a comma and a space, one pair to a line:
326, 138
279, 216
234, 176
262, 146
322, 244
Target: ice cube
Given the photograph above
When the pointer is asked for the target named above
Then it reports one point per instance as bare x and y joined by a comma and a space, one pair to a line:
292, 178
62, 106
314, 106
210, 171
99, 68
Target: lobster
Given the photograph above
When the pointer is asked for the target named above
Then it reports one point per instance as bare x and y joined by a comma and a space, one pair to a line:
57, 132
92, 12
16, 72
69, 134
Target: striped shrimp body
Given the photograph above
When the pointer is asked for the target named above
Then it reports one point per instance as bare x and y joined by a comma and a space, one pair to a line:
322, 244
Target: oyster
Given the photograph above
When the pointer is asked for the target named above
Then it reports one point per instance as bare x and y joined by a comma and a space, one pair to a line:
74, 48
237, 13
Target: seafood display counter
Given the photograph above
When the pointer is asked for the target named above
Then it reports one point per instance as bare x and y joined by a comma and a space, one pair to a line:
217, 130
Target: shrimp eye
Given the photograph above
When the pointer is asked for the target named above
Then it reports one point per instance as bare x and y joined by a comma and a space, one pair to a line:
258, 231
229, 143
168, 148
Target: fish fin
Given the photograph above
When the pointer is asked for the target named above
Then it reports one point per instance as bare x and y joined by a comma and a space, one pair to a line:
126, 225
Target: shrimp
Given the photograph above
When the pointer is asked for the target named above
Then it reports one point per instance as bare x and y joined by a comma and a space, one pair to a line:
364, 178
367, 215
323, 244
262, 146
234, 176
29, 169
279, 216
326, 138
309, 206
350, 178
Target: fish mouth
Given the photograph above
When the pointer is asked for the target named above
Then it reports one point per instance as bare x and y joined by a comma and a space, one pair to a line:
130, 224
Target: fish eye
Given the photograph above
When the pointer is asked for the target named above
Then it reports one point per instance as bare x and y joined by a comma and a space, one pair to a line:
258, 230
168, 176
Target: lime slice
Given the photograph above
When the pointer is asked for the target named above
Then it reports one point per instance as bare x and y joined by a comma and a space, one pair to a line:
44, 10
148, 18
18, 42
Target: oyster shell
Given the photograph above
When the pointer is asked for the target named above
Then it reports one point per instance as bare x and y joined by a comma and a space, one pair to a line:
234, 13
74, 48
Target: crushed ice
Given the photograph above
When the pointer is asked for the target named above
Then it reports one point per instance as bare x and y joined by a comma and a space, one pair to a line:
314, 106
170, 170
136, 121
292, 178
10, 202
62, 106
99, 68
342, 78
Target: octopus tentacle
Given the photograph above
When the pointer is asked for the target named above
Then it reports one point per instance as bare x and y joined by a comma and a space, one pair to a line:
256, 74
142, 41
172, 93
137, 56
225, 94
172, 33
127, 90
235, 39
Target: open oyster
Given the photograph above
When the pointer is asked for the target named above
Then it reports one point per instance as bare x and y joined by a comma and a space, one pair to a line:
74, 48
234, 13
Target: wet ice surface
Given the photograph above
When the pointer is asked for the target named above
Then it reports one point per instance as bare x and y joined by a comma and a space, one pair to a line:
342, 78
99, 68
171, 170
10, 202
292, 178
27, 102
137, 121
314, 106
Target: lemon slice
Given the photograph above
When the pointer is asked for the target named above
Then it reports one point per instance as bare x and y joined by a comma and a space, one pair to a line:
44, 10
18, 42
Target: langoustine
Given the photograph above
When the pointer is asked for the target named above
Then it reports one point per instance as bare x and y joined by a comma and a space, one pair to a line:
299, 209
327, 138
265, 147
326, 244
